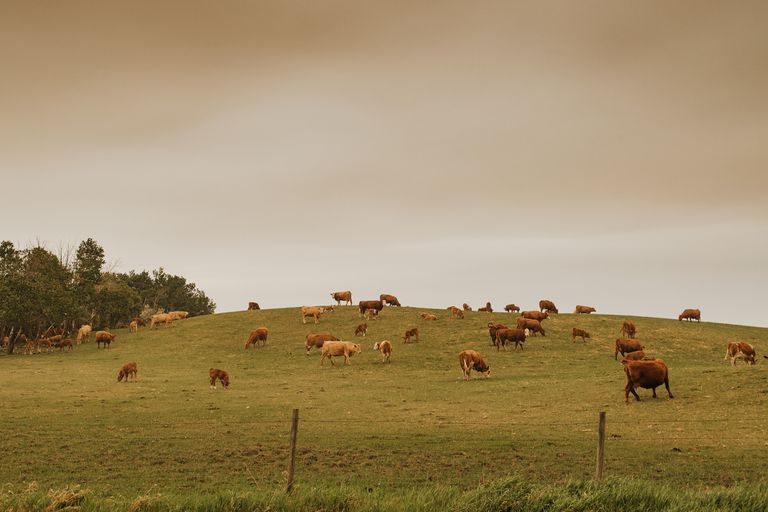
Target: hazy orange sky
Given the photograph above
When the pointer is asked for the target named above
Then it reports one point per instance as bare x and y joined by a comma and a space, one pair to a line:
599, 152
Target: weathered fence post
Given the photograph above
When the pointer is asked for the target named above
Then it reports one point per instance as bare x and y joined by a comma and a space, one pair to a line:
600, 447
292, 460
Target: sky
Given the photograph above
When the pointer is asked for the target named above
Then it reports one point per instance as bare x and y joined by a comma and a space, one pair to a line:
607, 153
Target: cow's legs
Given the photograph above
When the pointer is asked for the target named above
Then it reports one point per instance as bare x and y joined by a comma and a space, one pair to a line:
666, 384
654, 393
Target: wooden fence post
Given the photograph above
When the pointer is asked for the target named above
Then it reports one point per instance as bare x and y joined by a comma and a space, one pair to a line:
292, 460
600, 447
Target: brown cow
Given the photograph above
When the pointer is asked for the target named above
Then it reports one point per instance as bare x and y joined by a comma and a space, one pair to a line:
533, 326
313, 311
160, 318
492, 328
126, 371
584, 310
626, 346
637, 356
690, 315
333, 349
83, 333
511, 308
547, 306
428, 316
257, 335
133, 327
740, 350
472, 360
645, 374
346, 297
466, 307
365, 305
580, 333
253, 306
411, 333
510, 335
371, 314
535, 315
361, 330
104, 337
487, 308
628, 329
455, 312
385, 348
66, 342
318, 339
216, 374
391, 300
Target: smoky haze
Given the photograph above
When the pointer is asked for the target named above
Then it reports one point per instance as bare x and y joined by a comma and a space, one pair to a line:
601, 152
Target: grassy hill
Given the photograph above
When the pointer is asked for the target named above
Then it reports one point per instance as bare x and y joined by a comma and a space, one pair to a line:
414, 423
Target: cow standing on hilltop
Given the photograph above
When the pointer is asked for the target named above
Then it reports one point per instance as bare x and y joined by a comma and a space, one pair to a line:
345, 296
547, 306
390, 300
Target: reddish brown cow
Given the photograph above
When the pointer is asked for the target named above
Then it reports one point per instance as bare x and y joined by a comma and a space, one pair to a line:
584, 310
547, 306
492, 328
645, 374
740, 350
257, 335
390, 300
428, 316
472, 360
365, 305
361, 330
318, 339
535, 315
105, 338
128, 370
487, 308
411, 333
511, 308
253, 306
456, 312
580, 333
626, 346
533, 326
346, 297
466, 307
690, 315
510, 335
628, 329
636, 356
220, 375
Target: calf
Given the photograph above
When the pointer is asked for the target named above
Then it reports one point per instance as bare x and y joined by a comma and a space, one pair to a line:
313, 311
258, 335
628, 329
361, 330
534, 326
66, 342
385, 348
547, 306
511, 308
645, 374
411, 333
472, 360
466, 307
626, 346
318, 339
584, 310
133, 327
492, 328
371, 314
740, 350
636, 356
510, 335
487, 308
365, 305
580, 333
391, 300
127, 370
333, 349
690, 315
428, 316
220, 375
104, 337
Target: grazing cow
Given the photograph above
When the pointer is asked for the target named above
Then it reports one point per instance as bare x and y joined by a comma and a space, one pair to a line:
83, 333
466, 307
126, 371
28, 348
428, 316
535, 315
511, 308
313, 311
257, 335
456, 313
637, 356
487, 308
645, 374
626, 346
220, 375
365, 305
361, 330
547, 306
139, 321
333, 349
690, 315
411, 333
492, 328
580, 333
346, 297
385, 349
628, 329
317, 340
584, 310
66, 342
472, 360
510, 335
740, 350
253, 306
178, 315
371, 314
534, 326
390, 300
133, 326
160, 318
104, 337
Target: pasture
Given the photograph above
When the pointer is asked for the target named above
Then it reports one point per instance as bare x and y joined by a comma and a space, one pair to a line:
389, 429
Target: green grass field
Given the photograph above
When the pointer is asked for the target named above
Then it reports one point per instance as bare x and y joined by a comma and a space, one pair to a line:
380, 429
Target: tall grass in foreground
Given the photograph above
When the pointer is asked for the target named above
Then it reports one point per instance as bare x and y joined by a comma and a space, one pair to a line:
504, 495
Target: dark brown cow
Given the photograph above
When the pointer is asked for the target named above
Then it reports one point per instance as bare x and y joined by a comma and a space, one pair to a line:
492, 328
547, 306
510, 335
740, 350
253, 306
580, 333
466, 307
645, 374
66, 342
361, 330
257, 335
317, 340
626, 346
637, 356
390, 300
365, 305
690, 315
533, 326
346, 297
216, 374
127, 370
628, 329
411, 333
472, 360
535, 315
487, 308
584, 310
105, 338
511, 308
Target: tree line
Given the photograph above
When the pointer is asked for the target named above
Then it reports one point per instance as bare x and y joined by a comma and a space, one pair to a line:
40, 289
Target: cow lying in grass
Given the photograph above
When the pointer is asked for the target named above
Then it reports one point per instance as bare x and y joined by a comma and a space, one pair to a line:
128, 370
